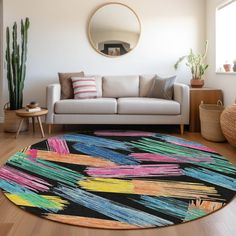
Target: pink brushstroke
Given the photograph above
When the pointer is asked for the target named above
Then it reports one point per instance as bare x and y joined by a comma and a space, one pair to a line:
171, 159
25, 180
58, 145
202, 148
135, 171
33, 153
124, 134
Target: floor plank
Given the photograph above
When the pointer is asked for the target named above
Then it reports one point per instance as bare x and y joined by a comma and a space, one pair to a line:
16, 222
5, 228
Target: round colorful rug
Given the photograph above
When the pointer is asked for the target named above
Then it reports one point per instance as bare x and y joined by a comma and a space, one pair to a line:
118, 180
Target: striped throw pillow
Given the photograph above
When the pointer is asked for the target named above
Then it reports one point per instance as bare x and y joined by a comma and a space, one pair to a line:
84, 87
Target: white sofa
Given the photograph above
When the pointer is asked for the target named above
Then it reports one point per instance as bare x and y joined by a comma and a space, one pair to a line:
121, 100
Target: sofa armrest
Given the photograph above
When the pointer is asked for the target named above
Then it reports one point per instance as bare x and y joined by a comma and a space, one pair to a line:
53, 95
181, 95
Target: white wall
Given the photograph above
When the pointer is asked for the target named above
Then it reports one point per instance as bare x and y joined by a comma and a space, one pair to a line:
226, 82
58, 39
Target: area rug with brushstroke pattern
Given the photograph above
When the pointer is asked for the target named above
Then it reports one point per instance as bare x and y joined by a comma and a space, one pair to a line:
118, 179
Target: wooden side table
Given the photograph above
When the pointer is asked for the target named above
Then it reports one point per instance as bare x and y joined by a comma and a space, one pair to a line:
208, 96
26, 115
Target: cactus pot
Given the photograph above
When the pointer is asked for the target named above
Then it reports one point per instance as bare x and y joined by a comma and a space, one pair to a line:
12, 121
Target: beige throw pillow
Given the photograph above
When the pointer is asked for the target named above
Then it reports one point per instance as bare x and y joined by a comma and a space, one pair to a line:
67, 91
162, 88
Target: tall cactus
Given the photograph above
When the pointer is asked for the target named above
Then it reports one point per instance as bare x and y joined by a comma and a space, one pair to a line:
16, 57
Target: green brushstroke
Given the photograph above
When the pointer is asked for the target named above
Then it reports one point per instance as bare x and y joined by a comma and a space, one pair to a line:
195, 213
153, 146
46, 169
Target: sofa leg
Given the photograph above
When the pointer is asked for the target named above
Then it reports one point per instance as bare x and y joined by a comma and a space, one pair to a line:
49, 129
182, 129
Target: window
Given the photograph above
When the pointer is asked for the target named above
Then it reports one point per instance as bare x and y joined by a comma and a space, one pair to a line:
226, 36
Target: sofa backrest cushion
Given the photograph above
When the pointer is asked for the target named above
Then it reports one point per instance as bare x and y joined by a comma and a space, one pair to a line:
120, 86
98, 80
145, 84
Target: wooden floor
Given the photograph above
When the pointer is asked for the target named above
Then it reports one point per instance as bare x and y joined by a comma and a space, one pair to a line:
14, 221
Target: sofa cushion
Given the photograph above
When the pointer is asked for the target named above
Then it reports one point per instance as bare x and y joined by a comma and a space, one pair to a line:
162, 88
84, 87
120, 86
87, 106
145, 84
99, 85
148, 106
66, 84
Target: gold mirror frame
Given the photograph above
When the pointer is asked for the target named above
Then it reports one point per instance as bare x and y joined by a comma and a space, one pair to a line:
89, 28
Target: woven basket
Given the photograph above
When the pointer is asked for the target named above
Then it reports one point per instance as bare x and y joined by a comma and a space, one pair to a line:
210, 121
12, 121
228, 124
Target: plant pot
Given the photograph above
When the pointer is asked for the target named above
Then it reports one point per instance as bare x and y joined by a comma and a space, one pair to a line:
227, 67
234, 68
197, 83
12, 121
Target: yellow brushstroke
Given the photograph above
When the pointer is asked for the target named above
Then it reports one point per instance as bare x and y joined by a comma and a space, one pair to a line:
90, 222
57, 200
18, 200
73, 159
107, 185
21, 201
152, 188
26, 149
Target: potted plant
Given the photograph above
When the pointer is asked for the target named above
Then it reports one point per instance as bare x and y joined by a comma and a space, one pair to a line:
16, 56
197, 66
227, 66
234, 67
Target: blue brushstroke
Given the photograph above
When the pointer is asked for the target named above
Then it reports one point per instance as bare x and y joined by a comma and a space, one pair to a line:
28, 195
105, 154
110, 208
12, 187
211, 177
45, 169
96, 141
168, 206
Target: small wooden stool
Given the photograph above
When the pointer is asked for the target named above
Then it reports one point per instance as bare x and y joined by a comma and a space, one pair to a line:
26, 115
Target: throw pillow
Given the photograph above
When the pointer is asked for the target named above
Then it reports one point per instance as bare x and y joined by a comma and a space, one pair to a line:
66, 84
162, 87
84, 87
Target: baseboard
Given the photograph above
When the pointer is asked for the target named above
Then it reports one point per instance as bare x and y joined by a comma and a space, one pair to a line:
1, 119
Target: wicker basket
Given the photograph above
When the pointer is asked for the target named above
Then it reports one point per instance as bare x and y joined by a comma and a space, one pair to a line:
12, 121
210, 121
228, 124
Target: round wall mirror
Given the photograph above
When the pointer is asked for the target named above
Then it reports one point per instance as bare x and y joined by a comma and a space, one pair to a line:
114, 29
